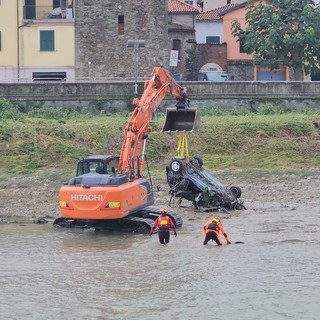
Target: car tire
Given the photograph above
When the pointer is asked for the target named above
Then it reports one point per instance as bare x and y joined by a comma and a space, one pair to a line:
236, 191
170, 178
176, 166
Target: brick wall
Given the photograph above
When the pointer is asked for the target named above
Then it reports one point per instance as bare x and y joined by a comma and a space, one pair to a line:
208, 53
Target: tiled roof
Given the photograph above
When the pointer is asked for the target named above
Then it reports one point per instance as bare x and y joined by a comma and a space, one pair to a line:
236, 7
215, 13
180, 7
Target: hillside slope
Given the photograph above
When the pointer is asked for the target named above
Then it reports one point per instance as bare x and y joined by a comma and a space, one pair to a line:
250, 143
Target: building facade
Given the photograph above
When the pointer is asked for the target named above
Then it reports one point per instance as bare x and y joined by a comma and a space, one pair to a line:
8, 40
240, 64
37, 40
88, 39
182, 38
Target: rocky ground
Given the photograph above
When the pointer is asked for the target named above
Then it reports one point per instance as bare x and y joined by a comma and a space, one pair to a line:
33, 199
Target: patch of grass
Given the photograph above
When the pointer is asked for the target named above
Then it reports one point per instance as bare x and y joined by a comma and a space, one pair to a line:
38, 141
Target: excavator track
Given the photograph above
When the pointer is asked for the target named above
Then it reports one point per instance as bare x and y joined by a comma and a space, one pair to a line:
138, 223
155, 213
141, 225
127, 224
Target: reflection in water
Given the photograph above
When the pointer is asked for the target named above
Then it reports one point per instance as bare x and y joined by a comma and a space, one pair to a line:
48, 273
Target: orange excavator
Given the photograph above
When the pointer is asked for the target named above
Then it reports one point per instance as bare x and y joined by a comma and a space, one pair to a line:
110, 192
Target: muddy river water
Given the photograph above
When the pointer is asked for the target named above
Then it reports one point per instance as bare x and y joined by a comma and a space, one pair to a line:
49, 273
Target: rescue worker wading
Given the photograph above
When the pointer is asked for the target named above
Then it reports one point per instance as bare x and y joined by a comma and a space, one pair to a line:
164, 224
211, 231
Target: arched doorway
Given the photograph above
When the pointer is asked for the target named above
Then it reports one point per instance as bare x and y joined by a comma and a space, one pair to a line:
210, 67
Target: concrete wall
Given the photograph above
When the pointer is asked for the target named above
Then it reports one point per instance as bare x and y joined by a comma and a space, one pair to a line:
183, 19
117, 96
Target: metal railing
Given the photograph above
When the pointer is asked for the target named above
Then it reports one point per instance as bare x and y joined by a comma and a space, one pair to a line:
46, 12
49, 79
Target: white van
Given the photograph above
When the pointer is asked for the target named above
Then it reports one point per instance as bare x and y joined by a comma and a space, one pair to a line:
213, 76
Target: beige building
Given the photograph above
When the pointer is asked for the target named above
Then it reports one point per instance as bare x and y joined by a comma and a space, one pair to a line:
36, 40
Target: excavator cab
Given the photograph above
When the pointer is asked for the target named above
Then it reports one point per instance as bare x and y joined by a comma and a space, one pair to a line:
101, 164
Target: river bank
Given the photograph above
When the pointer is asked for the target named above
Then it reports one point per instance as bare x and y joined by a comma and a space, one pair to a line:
35, 199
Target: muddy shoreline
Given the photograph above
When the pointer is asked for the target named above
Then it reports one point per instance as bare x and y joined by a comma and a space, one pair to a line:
34, 199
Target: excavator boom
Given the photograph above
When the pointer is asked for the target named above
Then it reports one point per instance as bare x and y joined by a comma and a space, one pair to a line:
180, 118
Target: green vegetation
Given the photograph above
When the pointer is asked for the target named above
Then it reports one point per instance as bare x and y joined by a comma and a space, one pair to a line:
282, 33
37, 140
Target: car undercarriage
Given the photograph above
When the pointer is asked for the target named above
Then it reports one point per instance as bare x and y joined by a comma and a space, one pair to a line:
190, 181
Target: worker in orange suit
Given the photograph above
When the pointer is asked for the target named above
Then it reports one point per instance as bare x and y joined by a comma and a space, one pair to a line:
164, 224
212, 229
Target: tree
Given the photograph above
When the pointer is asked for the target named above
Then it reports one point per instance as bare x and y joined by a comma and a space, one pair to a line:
282, 33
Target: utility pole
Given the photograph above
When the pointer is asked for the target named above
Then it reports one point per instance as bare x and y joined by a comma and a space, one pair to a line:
136, 44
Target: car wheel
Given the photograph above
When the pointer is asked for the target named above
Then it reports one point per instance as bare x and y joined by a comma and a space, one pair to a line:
176, 166
236, 191
170, 178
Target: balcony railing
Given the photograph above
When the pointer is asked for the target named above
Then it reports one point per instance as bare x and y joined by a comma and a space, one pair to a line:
46, 12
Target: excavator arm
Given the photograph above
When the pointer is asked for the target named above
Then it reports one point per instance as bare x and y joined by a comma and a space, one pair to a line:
131, 160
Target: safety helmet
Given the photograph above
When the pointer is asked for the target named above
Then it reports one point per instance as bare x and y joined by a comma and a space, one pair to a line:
163, 210
217, 220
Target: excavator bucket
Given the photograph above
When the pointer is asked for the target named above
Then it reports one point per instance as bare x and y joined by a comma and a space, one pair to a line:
181, 120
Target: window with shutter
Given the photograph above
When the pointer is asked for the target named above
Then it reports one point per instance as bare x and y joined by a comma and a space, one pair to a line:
46, 40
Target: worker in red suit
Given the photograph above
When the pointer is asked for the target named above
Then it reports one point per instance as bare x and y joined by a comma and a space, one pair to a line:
164, 224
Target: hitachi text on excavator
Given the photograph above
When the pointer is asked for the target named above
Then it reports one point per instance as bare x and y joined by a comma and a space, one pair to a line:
110, 192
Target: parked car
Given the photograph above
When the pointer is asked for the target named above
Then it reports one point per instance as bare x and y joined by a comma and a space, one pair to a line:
189, 180
213, 76
176, 76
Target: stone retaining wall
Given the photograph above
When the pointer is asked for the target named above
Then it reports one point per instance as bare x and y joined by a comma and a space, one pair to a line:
117, 96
